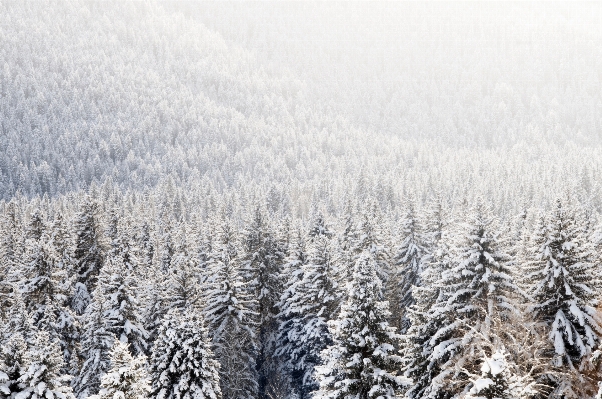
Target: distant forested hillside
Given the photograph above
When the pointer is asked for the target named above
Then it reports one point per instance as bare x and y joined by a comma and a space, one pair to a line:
303, 99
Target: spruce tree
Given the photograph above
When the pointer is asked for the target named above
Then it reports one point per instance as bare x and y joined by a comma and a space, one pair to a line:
360, 362
183, 289
260, 264
12, 365
121, 312
156, 303
475, 286
127, 378
372, 238
183, 365
563, 281
42, 379
231, 316
45, 288
407, 269
307, 306
88, 255
11, 245
97, 341
290, 315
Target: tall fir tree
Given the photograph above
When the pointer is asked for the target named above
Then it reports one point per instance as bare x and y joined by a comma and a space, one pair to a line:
127, 378
563, 281
407, 269
121, 312
306, 306
97, 341
87, 255
360, 362
46, 286
260, 264
475, 286
183, 365
232, 318
12, 365
42, 378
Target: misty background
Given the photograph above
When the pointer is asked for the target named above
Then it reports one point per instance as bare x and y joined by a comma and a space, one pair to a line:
418, 97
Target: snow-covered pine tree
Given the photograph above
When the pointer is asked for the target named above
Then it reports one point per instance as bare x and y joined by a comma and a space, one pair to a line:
360, 362
347, 242
45, 288
497, 381
563, 281
87, 255
12, 365
42, 379
475, 286
127, 378
183, 289
121, 312
18, 320
183, 365
97, 341
405, 274
11, 247
260, 265
165, 245
231, 316
435, 222
155, 305
146, 249
372, 237
290, 316
307, 306
121, 240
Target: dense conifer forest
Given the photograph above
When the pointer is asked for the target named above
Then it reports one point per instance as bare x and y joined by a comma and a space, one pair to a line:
300, 200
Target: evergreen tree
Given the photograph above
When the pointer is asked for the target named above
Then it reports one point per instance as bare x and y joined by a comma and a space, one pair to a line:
127, 378
121, 307
474, 287
42, 378
12, 365
11, 246
262, 259
146, 249
18, 320
408, 268
360, 362
155, 303
183, 290
45, 288
87, 255
182, 364
498, 380
307, 306
97, 341
372, 238
232, 319
563, 281
290, 315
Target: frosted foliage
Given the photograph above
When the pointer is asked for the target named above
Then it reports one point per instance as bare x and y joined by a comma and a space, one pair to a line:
127, 378
42, 378
182, 363
497, 381
361, 360
563, 282
310, 301
96, 343
12, 365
